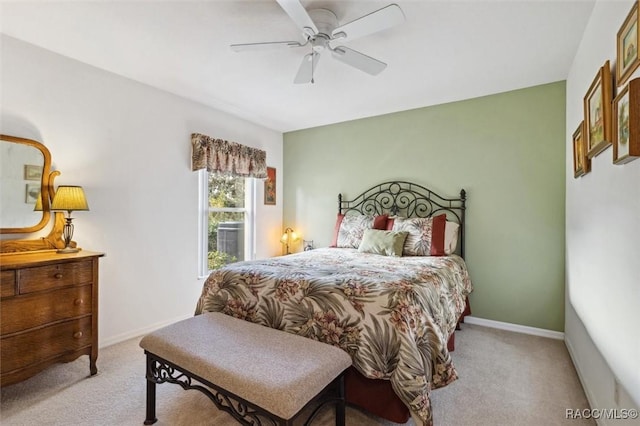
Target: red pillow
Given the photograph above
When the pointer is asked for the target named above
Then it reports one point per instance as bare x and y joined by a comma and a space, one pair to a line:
379, 222
437, 235
336, 229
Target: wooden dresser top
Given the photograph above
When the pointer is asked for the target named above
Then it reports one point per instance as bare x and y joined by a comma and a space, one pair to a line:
13, 260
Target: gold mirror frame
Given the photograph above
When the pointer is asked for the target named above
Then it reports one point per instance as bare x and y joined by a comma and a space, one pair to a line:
44, 185
54, 239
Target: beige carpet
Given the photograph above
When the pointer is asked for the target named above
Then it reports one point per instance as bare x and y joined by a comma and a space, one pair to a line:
505, 379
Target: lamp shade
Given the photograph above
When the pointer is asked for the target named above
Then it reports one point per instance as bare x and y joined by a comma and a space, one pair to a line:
38, 206
289, 236
70, 198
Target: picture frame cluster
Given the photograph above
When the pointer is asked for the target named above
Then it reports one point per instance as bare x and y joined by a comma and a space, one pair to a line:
32, 172
608, 120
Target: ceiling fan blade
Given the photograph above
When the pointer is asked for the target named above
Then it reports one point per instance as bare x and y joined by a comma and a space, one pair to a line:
379, 20
359, 60
307, 68
264, 46
299, 14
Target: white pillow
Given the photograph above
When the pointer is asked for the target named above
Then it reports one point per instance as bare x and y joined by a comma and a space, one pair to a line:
450, 237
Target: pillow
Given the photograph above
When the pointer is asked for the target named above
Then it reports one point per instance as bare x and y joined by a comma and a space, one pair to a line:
390, 222
426, 235
386, 243
349, 229
451, 230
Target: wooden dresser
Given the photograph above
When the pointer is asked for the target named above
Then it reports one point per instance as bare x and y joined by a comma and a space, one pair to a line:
48, 311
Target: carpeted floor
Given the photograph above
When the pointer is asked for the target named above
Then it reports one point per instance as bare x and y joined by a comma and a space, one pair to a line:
505, 379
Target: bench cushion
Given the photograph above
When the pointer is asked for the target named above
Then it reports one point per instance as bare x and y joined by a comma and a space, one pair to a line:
278, 371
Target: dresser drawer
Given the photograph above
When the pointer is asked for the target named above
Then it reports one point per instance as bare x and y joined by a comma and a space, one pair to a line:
28, 348
7, 283
31, 310
52, 276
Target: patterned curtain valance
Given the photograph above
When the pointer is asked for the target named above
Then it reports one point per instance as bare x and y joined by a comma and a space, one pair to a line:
220, 156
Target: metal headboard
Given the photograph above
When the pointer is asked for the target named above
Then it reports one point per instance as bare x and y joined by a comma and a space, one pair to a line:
406, 199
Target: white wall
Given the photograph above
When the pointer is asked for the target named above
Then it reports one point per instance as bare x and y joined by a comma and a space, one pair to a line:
603, 239
129, 146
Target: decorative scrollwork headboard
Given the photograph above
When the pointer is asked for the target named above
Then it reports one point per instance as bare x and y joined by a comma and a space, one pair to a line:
407, 199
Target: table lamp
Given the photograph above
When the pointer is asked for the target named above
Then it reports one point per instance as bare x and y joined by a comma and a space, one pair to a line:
288, 237
69, 198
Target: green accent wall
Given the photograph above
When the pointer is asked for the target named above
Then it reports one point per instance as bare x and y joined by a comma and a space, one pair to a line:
506, 150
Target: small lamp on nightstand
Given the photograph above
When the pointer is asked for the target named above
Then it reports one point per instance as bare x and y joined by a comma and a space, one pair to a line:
69, 198
288, 237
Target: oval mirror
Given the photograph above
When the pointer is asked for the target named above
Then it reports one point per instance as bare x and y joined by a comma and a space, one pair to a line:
25, 193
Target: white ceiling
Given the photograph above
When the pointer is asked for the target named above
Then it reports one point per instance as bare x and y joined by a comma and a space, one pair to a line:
445, 51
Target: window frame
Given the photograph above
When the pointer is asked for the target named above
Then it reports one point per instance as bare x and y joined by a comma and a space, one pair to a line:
249, 210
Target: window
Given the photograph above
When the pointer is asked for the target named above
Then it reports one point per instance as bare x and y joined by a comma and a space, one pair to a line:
227, 206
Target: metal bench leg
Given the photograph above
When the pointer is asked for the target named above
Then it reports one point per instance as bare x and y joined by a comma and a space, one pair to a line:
340, 403
151, 394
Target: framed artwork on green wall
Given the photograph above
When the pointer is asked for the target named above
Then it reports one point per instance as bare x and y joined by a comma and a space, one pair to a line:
597, 112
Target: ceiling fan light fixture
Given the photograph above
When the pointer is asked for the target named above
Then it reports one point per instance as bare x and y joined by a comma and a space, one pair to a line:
320, 42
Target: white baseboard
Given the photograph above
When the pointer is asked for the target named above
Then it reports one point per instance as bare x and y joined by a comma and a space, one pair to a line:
468, 319
515, 327
139, 332
587, 391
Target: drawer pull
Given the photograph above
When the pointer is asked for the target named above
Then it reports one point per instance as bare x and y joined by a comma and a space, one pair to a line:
78, 302
77, 334
58, 275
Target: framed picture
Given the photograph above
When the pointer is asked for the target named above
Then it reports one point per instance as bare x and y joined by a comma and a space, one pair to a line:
32, 172
597, 112
626, 123
32, 193
270, 187
308, 245
627, 46
581, 163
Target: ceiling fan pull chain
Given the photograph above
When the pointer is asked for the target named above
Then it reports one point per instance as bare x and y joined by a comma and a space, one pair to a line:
313, 64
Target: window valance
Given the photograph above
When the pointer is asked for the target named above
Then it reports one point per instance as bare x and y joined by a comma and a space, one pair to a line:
220, 156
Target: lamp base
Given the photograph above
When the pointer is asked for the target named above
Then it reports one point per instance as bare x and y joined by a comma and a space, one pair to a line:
68, 250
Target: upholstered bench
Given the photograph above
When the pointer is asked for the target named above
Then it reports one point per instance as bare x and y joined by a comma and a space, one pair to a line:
251, 371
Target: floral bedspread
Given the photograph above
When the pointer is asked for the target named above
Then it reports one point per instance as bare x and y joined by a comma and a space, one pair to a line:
393, 315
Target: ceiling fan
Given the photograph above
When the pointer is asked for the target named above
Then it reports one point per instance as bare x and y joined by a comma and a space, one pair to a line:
321, 32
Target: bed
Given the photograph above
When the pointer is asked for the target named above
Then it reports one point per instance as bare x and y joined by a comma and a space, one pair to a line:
390, 291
